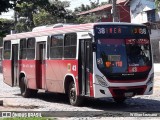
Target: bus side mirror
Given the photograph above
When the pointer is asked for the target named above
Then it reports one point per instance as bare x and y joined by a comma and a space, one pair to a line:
94, 46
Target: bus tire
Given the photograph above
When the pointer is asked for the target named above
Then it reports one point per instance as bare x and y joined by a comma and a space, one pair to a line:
73, 98
25, 92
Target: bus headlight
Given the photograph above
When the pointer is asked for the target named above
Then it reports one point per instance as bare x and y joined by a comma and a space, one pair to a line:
150, 79
101, 81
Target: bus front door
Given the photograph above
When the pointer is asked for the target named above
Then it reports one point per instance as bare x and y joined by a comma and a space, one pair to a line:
41, 72
85, 61
14, 64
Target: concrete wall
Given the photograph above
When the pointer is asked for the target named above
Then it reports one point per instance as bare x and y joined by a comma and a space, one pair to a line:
155, 40
138, 8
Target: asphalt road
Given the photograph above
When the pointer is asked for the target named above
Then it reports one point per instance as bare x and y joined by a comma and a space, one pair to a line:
57, 105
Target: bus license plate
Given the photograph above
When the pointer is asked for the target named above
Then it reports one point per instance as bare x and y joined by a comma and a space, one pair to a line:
128, 94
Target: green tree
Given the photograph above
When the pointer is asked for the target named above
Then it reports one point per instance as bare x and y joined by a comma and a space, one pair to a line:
93, 4
5, 5
44, 18
42, 12
157, 3
26, 10
21, 26
104, 3
87, 19
5, 26
82, 8
90, 17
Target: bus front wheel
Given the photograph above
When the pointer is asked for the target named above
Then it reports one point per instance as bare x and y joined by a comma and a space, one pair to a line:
73, 98
26, 92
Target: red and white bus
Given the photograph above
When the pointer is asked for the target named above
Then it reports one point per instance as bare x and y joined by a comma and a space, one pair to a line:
98, 60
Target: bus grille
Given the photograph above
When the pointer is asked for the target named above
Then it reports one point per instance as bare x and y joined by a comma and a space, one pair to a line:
120, 91
119, 78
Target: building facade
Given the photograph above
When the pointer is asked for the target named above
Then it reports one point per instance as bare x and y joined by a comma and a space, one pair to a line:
144, 11
104, 12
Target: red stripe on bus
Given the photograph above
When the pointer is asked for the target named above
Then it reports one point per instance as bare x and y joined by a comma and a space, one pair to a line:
91, 85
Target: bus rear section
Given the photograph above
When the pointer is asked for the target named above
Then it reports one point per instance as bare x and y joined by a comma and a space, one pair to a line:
123, 62
10, 62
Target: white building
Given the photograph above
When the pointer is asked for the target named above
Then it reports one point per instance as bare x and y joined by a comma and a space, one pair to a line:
144, 11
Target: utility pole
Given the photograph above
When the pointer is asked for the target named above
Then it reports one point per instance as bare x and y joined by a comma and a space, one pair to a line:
15, 18
114, 13
97, 1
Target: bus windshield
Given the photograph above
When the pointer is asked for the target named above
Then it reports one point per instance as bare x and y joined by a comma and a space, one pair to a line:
123, 55
122, 49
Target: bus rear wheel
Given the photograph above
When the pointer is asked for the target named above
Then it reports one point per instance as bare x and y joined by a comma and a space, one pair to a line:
26, 92
73, 98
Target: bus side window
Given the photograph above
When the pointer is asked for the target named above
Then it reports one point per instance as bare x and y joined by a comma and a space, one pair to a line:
56, 46
22, 51
70, 44
31, 48
7, 50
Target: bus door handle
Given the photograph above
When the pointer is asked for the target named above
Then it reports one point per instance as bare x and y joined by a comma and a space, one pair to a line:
82, 67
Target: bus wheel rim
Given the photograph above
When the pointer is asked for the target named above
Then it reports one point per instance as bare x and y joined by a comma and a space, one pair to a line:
72, 95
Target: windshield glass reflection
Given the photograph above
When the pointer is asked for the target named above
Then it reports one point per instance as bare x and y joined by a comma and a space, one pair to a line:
121, 55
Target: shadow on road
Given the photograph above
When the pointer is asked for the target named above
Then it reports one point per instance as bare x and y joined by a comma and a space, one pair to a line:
130, 105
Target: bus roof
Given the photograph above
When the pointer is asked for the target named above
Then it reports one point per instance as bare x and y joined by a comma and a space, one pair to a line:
40, 28
46, 31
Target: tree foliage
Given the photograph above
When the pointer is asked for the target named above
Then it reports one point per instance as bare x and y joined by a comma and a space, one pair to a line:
43, 18
56, 8
88, 18
157, 3
22, 26
41, 12
86, 7
5, 26
92, 5
33, 13
25, 12
5, 5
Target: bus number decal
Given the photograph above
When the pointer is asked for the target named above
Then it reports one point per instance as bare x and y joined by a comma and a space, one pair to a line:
134, 69
71, 67
140, 31
119, 63
74, 68
101, 30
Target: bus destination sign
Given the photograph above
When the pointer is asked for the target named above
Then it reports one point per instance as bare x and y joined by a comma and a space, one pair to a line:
120, 30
